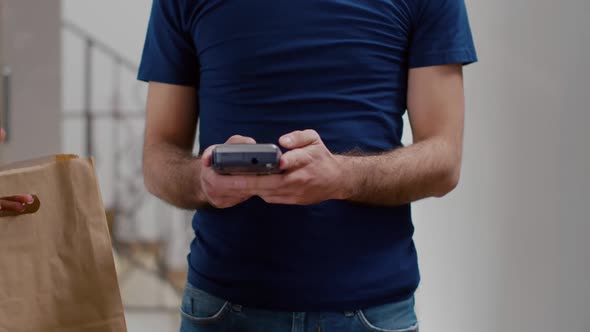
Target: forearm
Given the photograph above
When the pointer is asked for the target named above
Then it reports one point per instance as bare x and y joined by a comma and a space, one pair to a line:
425, 169
172, 174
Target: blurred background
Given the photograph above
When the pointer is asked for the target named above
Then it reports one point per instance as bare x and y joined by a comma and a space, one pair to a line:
506, 251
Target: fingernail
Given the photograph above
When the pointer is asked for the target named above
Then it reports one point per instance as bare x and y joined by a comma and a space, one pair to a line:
31, 199
287, 140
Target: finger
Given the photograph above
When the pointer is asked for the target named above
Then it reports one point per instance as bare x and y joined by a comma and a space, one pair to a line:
224, 184
225, 188
264, 184
23, 199
251, 184
206, 156
295, 159
236, 139
284, 200
11, 206
2, 135
227, 202
239, 139
299, 139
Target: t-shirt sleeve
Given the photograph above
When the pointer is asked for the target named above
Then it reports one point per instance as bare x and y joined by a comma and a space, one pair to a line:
169, 55
441, 34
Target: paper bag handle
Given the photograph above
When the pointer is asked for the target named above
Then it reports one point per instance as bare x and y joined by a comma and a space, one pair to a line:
29, 209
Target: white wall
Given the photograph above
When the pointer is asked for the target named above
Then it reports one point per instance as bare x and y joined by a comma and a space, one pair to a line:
32, 49
507, 250
121, 26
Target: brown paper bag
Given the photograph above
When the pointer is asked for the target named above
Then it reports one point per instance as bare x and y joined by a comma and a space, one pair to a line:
57, 272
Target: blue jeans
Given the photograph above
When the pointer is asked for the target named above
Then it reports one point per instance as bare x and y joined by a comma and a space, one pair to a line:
202, 312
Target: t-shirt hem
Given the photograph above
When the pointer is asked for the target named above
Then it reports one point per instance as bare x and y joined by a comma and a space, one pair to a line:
464, 56
294, 305
151, 77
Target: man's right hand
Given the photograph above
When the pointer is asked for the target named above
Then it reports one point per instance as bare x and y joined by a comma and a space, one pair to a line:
171, 171
14, 203
222, 191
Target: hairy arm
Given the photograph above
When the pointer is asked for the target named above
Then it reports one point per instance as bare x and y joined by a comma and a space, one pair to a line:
171, 171
431, 165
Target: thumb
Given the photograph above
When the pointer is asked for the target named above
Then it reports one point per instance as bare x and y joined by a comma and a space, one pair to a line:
206, 156
238, 139
300, 139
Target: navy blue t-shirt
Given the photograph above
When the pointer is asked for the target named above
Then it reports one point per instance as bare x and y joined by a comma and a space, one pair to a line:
264, 68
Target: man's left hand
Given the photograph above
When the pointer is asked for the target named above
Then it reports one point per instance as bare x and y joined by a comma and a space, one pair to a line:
311, 173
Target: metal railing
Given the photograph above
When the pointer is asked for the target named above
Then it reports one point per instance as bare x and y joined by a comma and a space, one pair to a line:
122, 120
127, 184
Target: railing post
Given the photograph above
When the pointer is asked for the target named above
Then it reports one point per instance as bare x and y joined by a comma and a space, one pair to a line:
6, 93
116, 116
88, 97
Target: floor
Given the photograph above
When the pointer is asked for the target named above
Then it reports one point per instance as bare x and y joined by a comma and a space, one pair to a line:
151, 300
